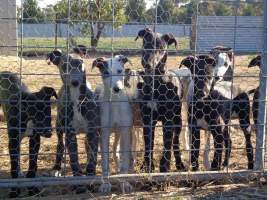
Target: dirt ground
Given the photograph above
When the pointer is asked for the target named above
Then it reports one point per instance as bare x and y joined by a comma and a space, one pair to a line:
36, 73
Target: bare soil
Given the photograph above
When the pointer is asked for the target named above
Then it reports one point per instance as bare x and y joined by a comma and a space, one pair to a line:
36, 73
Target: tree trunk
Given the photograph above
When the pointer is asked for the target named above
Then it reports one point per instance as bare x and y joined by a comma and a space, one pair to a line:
96, 31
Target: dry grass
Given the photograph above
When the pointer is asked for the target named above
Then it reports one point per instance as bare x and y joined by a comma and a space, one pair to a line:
36, 73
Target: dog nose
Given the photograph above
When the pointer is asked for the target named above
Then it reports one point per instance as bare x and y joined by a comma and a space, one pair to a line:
74, 83
116, 89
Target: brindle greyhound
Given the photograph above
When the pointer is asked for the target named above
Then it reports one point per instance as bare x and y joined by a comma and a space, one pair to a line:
78, 111
160, 100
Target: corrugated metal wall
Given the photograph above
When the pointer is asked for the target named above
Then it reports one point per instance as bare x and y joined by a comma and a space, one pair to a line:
243, 33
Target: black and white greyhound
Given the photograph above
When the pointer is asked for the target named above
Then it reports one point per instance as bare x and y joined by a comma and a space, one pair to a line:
28, 115
210, 101
77, 111
160, 100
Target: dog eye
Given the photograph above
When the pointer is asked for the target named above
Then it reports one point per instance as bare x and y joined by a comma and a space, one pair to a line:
119, 71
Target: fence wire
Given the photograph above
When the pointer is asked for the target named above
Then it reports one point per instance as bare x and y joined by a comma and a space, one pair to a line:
128, 96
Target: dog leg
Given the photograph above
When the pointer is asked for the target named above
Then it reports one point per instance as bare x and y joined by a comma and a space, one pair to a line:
134, 139
176, 145
228, 145
92, 141
125, 143
115, 150
218, 145
207, 151
167, 140
149, 131
34, 146
14, 151
71, 143
195, 145
249, 148
105, 186
59, 155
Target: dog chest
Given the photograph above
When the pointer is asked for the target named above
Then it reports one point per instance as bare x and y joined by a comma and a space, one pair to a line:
79, 123
202, 123
116, 114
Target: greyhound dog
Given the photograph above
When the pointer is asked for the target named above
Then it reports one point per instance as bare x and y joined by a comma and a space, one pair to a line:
211, 101
78, 111
27, 114
160, 100
116, 115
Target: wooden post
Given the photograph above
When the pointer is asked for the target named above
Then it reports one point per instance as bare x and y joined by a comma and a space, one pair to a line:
261, 127
8, 27
193, 32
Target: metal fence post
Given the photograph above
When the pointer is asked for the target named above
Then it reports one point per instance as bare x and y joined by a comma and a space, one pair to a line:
261, 128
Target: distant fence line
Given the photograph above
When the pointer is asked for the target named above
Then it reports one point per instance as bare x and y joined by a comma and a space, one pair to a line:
48, 30
243, 33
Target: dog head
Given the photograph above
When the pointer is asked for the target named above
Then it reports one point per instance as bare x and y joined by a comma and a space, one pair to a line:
202, 68
72, 70
224, 59
155, 46
255, 62
112, 71
80, 50
133, 78
38, 109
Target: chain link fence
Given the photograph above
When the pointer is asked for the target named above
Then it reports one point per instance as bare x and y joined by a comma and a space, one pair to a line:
132, 96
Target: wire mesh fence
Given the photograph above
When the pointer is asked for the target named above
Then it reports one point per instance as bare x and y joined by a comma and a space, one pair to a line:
128, 96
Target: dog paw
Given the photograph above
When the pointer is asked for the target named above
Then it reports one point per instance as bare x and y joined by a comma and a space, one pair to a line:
126, 187
146, 168
53, 173
105, 187
207, 165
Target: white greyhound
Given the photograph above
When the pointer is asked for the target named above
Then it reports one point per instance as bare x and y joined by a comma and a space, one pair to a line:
116, 115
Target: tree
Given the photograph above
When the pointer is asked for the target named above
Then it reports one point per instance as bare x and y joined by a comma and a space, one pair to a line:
93, 15
135, 10
32, 13
165, 10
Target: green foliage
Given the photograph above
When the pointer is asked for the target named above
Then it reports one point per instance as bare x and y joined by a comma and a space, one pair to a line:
32, 13
135, 10
165, 10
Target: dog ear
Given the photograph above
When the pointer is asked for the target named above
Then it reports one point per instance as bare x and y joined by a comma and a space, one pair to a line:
123, 59
143, 32
100, 63
231, 55
219, 49
255, 61
54, 57
189, 62
80, 49
210, 60
170, 39
47, 92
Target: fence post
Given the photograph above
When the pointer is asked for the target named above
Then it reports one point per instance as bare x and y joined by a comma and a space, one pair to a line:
261, 128
8, 27
56, 31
